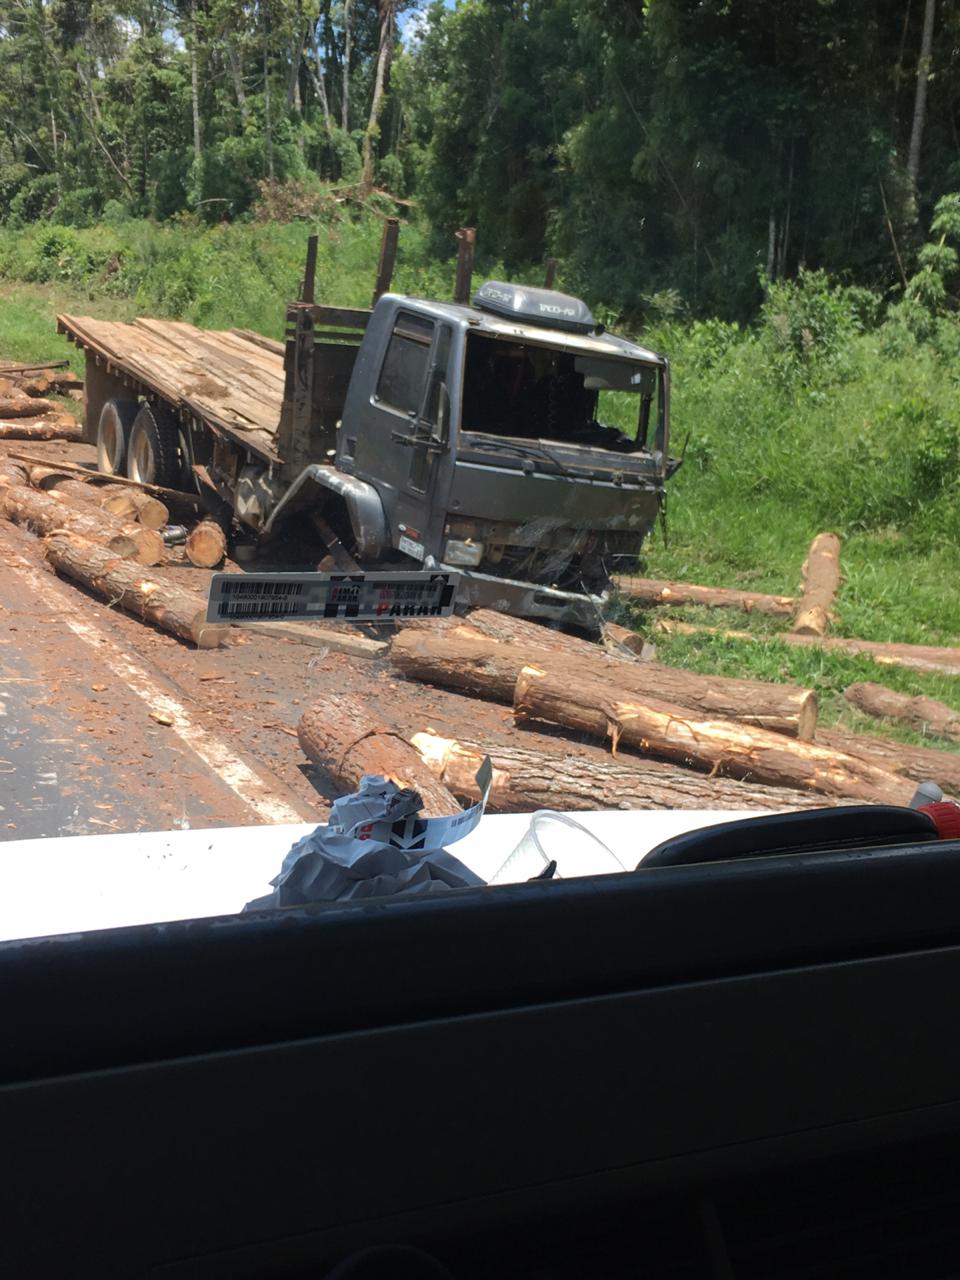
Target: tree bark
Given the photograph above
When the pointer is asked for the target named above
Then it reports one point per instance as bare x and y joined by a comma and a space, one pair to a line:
918, 657
267, 118
153, 598
86, 498
320, 85
348, 739
490, 670
46, 513
926, 714
236, 74
122, 500
347, 54
664, 729
195, 83
920, 100
386, 9
821, 582
652, 592
206, 545
541, 777
20, 405
922, 764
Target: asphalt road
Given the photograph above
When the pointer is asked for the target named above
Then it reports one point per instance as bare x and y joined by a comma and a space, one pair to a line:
86, 740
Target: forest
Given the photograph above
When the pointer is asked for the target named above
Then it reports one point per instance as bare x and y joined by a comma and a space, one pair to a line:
670, 154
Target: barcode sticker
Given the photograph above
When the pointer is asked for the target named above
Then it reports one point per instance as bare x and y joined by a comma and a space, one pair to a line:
332, 597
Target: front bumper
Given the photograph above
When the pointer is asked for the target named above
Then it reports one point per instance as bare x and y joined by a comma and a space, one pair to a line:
528, 600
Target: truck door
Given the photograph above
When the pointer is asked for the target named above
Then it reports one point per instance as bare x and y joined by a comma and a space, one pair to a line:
412, 389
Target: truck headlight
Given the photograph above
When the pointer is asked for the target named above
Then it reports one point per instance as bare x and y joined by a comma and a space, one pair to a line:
467, 554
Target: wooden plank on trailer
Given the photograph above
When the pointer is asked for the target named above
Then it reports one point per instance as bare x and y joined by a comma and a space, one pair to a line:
268, 344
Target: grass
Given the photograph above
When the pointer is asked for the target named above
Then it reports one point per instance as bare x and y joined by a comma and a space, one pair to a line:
812, 419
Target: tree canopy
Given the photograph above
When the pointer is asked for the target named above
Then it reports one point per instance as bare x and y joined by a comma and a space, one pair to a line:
665, 151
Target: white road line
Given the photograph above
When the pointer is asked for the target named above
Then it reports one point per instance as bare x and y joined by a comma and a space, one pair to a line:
246, 783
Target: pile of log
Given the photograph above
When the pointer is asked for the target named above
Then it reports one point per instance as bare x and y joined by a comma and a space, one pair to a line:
748, 730
104, 536
25, 411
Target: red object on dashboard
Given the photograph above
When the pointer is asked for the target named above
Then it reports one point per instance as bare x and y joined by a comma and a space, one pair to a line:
945, 816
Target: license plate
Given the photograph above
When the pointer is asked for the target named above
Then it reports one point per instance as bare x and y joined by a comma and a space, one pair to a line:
331, 597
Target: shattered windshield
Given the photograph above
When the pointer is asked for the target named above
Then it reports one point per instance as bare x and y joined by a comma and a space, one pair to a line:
531, 391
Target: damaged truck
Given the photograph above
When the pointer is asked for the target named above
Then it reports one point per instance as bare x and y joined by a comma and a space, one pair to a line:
474, 435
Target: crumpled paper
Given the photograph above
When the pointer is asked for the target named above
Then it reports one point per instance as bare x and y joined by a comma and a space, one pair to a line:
375, 846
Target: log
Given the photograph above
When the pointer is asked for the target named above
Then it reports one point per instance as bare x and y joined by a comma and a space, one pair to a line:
821, 582
58, 427
37, 384
917, 657
489, 669
67, 506
206, 545
541, 777
926, 714
737, 750
45, 514
922, 764
192, 499
319, 636
11, 473
123, 500
153, 597
18, 405
653, 592
623, 642
348, 739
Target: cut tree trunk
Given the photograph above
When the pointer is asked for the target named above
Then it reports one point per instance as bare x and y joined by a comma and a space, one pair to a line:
83, 498
542, 777
652, 592
348, 739
58, 427
122, 500
922, 764
490, 669
19, 405
152, 597
918, 657
176, 495
926, 714
664, 729
46, 513
11, 473
821, 582
206, 545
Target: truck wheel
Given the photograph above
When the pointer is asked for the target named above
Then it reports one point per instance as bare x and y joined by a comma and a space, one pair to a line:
152, 454
113, 433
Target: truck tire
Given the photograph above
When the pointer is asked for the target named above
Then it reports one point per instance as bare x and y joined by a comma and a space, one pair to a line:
113, 435
153, 449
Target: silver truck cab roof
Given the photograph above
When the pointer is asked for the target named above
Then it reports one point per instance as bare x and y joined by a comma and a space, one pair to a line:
606, 345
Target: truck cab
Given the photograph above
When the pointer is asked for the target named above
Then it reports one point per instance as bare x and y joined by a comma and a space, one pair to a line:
511, 439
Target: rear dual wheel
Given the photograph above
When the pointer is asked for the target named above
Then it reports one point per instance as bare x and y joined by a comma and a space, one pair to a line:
153, 452
139, 440
113, 434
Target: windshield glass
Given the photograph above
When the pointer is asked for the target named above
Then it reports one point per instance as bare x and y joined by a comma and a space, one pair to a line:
529, 391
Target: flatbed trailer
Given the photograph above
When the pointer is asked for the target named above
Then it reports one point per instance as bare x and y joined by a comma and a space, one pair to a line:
230, 381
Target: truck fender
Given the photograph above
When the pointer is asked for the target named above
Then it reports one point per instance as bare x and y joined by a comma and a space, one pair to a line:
364, 508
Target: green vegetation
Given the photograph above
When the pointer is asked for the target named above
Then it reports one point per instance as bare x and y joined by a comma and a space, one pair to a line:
762, 191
